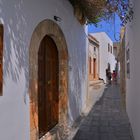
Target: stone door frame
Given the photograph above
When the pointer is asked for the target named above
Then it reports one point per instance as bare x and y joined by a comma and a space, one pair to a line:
50, 28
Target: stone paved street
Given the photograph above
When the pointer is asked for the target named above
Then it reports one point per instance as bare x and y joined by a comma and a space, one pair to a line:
106, 120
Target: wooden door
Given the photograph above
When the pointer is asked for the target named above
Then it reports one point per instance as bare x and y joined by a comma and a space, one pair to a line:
48, 97
94, 68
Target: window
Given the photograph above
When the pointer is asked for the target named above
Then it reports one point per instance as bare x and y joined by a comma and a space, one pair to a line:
128, 63
111, 48
1, 58
94, 49
108, 47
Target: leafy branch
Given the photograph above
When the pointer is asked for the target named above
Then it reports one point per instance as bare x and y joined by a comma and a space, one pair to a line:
96, 10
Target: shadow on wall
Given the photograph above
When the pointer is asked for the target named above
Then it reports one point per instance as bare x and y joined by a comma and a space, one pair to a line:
15, 42
74, 98
77, 79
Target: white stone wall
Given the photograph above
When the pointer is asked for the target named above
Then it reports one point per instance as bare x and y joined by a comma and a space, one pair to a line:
105, 56
132, 83
20, 19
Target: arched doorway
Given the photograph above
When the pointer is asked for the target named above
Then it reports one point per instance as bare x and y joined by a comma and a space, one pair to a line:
48, 33
48, 95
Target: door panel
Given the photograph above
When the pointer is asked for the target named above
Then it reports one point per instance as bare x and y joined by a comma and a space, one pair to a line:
94, 67
41, 90
48, 85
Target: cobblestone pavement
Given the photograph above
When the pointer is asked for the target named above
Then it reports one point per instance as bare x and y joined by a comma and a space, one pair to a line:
106, 120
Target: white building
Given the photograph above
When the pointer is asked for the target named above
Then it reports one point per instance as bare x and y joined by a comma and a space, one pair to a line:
107, 59
93, 56
34, 31
132, 41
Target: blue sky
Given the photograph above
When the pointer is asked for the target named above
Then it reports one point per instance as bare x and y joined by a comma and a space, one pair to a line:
113, 30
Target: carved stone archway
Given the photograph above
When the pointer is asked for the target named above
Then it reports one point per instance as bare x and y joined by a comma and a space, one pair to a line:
50, 28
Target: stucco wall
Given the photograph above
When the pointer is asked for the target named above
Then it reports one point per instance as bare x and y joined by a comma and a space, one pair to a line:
132, 83
20, 19
105, 56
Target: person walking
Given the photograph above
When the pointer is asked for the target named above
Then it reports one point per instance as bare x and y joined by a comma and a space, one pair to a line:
114, 76
109, 76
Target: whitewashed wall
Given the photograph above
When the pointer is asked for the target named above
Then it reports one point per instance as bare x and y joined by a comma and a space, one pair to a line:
132, 83
20, 19
105, 56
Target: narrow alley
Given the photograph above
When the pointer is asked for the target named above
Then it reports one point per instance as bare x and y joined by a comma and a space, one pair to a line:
69, 70
107, 120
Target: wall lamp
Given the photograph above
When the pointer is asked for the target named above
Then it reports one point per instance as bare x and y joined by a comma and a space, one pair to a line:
56, 18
